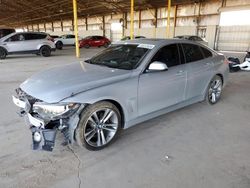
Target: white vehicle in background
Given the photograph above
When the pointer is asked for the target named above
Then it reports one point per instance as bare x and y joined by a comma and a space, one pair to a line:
68, 39
193, 38
26, 43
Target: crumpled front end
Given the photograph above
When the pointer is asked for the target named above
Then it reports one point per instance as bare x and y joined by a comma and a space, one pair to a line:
45, 119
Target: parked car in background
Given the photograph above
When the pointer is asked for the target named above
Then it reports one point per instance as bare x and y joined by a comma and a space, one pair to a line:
193, 38
128, 83
94, 41
6, 31
136, 37
65, 40
26, 42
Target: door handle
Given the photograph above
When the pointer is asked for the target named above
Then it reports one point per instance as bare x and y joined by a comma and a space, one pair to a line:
207, 64
4, 44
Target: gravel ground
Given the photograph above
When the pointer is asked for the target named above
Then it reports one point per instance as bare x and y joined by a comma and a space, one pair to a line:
198, 146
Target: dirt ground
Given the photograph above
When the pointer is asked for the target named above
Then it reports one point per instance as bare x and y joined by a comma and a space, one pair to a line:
200, 146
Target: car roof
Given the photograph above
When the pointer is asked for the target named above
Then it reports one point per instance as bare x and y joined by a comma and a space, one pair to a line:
152, 41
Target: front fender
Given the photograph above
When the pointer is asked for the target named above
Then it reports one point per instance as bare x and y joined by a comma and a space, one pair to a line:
124, 93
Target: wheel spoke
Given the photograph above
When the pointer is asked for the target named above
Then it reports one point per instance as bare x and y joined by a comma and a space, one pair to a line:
90, 135
92, 121
109, 129
213, 97
109, 114
98, 138
217, 84
96, 118
105, 115
103, 137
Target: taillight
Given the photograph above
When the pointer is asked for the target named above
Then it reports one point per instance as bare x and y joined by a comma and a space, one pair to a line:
50, 38
226, 61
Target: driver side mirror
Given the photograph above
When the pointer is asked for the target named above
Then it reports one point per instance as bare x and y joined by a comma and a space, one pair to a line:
157, 66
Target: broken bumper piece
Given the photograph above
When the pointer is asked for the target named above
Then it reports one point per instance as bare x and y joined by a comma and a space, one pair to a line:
44, 129
43, 139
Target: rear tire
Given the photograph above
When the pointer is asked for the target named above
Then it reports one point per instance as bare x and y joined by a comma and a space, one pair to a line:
86, 46
3, 53
45, 51
106, 45
214, 90
59, 45
99, 126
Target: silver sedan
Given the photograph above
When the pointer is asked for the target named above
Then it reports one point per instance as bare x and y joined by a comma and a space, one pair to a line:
127, 83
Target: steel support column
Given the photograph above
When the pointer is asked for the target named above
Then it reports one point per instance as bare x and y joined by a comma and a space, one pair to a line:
76, 28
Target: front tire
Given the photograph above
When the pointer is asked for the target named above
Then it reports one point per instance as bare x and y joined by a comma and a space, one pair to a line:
99, 125
214, 90
45, 51
59, 45
3, 53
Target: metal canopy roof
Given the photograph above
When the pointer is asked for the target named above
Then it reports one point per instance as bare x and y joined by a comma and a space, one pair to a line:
15, 13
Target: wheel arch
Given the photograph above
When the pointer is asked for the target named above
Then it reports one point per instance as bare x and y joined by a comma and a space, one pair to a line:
42, 45
4, 49
221, 76
118, 105
58, 41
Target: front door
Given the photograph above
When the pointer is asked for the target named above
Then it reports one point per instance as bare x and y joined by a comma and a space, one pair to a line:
158, 90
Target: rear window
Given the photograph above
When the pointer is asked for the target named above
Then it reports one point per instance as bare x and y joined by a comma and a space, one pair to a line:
206, 52
34, 36
192, 52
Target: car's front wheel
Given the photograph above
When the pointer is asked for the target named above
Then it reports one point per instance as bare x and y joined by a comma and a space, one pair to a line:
3, 53
214, 90
45, 51
99, 125
59, 45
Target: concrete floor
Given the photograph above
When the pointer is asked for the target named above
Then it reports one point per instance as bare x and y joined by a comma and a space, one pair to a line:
200, 146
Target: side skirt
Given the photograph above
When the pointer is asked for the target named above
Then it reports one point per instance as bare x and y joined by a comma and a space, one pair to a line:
163, 111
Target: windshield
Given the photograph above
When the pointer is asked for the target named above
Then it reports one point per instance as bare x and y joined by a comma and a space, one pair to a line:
120, 56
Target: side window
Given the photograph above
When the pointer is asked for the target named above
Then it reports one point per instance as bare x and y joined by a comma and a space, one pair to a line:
17, 37
99, 37
70, 36
169, 55
192, 52
206, 52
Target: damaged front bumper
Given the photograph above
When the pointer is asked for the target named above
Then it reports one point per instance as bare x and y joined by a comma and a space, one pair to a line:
44, 130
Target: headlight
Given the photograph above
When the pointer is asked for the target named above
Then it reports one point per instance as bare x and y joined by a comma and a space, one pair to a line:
54, 111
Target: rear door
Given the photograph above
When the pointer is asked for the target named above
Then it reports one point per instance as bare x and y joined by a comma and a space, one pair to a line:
32, 40
200, 69
158, 90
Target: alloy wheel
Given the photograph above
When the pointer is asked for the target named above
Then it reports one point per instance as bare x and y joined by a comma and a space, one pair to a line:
214, 91
101, 127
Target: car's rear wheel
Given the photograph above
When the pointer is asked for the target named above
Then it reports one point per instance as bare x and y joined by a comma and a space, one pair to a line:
99, 126
86, 46
59, 45
45, 51
3, 53
106, 45
214, 90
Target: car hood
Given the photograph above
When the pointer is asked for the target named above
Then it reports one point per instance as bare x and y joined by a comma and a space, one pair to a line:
58, 83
